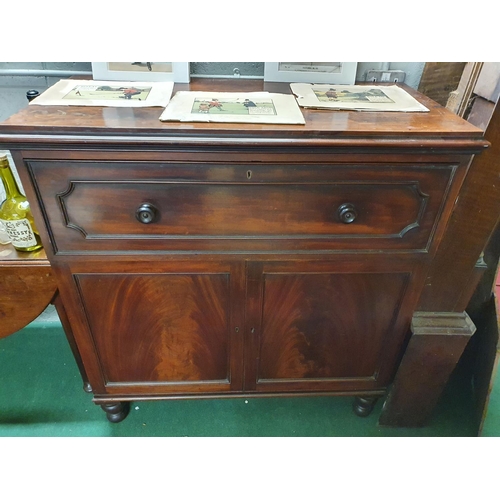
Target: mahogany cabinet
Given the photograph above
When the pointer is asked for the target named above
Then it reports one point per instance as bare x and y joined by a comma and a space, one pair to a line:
213, 260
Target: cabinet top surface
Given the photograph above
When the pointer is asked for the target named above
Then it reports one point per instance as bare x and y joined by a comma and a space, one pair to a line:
36, 120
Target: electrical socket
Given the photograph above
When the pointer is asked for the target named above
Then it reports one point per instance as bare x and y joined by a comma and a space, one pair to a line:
385, 76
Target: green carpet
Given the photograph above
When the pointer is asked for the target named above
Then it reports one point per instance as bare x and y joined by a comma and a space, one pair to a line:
491, 425
41, 395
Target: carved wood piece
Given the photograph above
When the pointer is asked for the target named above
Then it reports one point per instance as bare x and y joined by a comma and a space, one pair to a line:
473, 220
116, 412
438, 340
364, 405
439, 79
458, 101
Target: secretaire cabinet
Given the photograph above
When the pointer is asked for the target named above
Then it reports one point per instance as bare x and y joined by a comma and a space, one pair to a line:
198, 260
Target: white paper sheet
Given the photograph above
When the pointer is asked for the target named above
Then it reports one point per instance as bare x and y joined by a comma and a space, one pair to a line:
233, 107
106, 93
356, 97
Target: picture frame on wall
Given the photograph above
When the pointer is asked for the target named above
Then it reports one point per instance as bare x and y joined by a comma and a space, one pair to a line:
142, 71
338, 73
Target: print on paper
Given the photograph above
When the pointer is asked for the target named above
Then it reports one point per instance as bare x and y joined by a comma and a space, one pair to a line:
108, 92
234, 106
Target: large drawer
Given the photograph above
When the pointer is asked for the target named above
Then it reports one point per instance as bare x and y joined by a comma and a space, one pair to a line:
108, 206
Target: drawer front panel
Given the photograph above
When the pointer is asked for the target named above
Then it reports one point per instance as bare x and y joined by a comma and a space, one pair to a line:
241, 207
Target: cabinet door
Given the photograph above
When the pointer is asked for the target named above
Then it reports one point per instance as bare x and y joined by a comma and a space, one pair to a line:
168, 331
327, 326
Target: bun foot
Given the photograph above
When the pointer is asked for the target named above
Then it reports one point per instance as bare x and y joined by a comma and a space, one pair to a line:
363, 406
116, 412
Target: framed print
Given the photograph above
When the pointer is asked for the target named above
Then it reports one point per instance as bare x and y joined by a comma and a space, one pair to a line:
106, 93
233, 107
356, 97
142, 71
311, 72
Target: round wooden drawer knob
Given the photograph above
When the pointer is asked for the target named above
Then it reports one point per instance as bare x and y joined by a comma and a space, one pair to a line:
146, 213
347, 213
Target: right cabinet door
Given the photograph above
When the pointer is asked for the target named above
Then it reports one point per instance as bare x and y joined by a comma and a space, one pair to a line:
327, 326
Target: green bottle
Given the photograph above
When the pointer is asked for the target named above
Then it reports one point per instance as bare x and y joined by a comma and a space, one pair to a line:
16, 214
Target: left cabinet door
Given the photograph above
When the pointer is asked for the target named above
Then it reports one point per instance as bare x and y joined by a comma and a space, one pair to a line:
159, 328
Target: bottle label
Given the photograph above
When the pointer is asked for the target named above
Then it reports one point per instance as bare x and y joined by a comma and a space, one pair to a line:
20, 232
